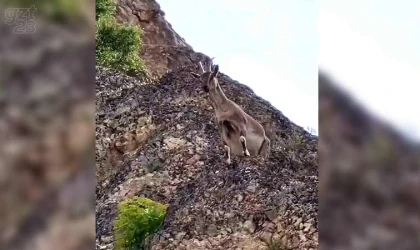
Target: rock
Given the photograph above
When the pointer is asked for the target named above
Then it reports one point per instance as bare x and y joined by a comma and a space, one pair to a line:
239, 198
249, 226
212, 230
271, 214
179, 126
266, 237
213, 242
229, 215
205, 243
166, 236
107, 239
295, 241
173, 143
200, 226
105, 183
306, 227
297, 222
114, 124
180, 235
193, 160
122, 110
176, 181
280, 227
315, 236
142, 121
216, 214
252, 188
302, 237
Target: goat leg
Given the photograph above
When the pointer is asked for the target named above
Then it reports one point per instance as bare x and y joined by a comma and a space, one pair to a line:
264, 148
243, 142
227, 154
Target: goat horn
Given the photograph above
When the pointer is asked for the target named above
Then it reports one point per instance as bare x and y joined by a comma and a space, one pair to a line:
202, 68
210, 63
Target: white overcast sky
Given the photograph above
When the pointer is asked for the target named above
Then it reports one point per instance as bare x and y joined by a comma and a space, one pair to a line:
269, 45
274, 46
373, 48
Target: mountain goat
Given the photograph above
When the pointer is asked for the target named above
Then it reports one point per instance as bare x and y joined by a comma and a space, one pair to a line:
241, 133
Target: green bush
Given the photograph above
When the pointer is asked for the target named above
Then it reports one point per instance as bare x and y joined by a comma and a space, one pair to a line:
137, 219
105, 8
58, 10
117, 45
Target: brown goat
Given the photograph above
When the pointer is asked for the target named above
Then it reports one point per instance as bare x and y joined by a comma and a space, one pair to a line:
241, 133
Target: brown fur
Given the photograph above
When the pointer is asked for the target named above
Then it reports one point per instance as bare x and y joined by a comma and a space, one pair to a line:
241, 133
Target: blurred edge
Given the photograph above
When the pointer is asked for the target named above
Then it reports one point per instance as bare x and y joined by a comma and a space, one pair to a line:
370, 177
47, 58
369, 191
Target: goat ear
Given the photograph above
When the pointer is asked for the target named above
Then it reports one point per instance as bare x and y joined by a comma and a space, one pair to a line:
195, 75
216, 70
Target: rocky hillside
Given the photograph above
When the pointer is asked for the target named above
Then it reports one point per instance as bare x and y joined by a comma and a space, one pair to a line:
47, 132
163, 49
158, 139
370, 178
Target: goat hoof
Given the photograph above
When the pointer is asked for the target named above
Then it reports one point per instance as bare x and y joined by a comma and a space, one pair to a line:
228, 161
246, 153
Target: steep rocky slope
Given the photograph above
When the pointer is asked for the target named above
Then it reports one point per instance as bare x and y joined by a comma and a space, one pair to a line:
158, 139
173, 155
370, 178
46, 134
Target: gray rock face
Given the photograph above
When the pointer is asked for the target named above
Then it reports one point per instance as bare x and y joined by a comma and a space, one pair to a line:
370, 177
163, 49
46, 134
207, 199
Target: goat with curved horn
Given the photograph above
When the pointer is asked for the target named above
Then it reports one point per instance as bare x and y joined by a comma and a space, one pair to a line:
202, 68
241, 133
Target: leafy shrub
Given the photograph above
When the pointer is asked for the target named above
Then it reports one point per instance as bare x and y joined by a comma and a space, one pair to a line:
138, 218
58, 10
105, 8
117, 45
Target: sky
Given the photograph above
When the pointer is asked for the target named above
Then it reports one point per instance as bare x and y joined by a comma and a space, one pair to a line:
373, 49
269, 45
369, 47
